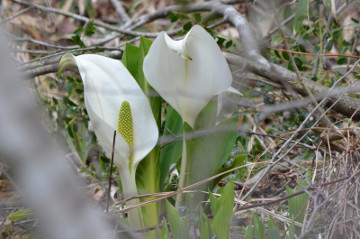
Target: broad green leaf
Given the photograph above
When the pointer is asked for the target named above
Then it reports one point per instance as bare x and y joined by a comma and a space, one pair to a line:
207, 117
210, 152
171, 152
300, 14
222, 220
178, 227
147, 174
144, 48
273, 230
164, 234
20, 215
204, 226
131, 59
259, 228
155, 101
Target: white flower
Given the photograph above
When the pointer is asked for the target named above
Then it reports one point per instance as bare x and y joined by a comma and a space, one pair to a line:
114, 101
187, 73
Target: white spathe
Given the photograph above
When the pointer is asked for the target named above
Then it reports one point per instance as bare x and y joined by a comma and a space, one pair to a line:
107, 84
187, 73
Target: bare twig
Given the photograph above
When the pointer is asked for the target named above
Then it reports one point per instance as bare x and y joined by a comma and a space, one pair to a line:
119, 8
347, 106
273, 159
95, 22
25, 10
111, 171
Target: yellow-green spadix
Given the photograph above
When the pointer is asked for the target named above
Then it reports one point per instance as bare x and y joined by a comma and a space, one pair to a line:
187, 73
114, 101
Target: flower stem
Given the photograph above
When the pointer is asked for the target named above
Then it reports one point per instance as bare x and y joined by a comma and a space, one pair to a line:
182, 173
130, 190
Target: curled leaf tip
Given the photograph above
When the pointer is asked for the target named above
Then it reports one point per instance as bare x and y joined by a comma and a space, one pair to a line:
66, 60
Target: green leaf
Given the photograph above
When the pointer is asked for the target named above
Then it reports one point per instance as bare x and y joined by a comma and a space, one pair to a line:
341, 60
197, 17
259, 228
222, 220
174, 17
164, 234
220, 41
90, 28
179, 227
77, 40
298, 63
207, 117
237, 161
79, 30
228, 44
210, 152
285, 55
187, 26
144, 48
20, 215
171, 152
298, 204
273, 230
147, 174
249, 232
155, 101
355, 20
291, 228
204, 226
300, 14
214, 202
130, 59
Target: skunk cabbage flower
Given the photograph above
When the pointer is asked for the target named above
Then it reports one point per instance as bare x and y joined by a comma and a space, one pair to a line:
114, 101
187, 73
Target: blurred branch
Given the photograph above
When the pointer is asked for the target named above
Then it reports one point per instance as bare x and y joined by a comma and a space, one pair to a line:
42, 172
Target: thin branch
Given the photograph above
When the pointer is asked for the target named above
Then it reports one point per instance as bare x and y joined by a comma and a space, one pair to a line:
25, 10
347, 106
95, 22
119, 8
273, 159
